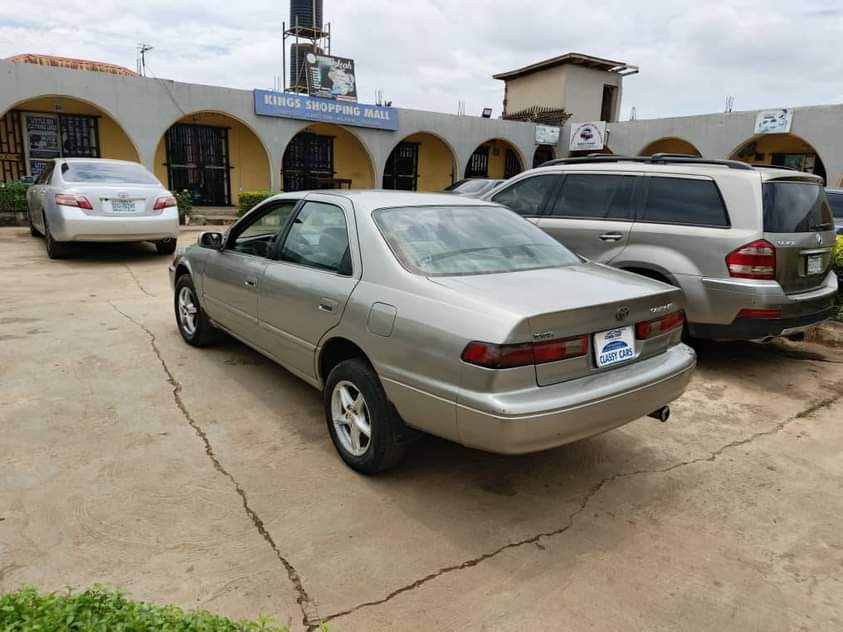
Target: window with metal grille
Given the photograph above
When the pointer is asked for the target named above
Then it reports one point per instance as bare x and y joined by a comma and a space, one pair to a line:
197, 161
308, 162
12, 163
478, 164
512, 164
402, 168
79, 136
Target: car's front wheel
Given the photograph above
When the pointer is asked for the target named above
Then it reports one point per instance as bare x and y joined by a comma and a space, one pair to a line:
165, 246
194, 325
364, 427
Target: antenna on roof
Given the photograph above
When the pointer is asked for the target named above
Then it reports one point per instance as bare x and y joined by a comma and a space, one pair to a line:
730, 104
140, 62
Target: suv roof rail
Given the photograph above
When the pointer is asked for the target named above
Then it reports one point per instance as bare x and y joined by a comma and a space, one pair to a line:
654, 159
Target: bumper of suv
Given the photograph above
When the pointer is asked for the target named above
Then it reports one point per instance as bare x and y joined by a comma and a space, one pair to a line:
797, 311
550, 416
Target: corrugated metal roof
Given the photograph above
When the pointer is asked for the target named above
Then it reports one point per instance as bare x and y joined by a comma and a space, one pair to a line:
71, 63
578, 59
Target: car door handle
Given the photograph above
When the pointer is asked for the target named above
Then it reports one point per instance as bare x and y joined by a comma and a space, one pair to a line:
327, 305
250, 282
611, 236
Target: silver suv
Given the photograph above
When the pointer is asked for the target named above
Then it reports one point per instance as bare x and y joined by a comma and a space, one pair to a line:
751, 247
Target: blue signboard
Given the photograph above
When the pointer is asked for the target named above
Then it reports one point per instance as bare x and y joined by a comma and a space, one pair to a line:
298, 106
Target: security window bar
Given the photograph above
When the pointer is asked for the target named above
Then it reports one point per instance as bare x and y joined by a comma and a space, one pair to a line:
12, 161
512, 165
402, 168
478, 164
198, 161
309, 162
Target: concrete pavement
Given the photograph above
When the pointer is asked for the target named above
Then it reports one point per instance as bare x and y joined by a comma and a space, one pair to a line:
206, 478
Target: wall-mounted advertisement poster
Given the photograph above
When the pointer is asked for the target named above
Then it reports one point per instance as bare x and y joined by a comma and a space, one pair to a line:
331, 77
774, 121
547, 135
588, 136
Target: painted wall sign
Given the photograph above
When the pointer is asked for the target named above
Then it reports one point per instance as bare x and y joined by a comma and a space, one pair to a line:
331, 77
547, 135
588, 136
298, 106
774, 121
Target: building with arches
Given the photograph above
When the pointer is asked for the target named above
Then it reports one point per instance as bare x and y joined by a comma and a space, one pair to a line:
218, 142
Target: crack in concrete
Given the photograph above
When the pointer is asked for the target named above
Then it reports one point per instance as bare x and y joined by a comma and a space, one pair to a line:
583, 505
307, 605
137, 281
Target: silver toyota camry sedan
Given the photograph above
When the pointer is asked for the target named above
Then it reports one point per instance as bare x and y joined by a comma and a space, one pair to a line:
93, 199
426, 312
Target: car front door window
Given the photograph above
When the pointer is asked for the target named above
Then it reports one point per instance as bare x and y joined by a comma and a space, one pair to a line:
255, 237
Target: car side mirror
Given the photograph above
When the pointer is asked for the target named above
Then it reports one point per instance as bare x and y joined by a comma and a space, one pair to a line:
211, 240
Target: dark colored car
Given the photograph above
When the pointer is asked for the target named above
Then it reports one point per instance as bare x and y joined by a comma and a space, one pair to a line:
835, 199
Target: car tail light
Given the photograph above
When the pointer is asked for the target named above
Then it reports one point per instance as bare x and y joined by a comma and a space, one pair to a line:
79, 201
164, 202
492, 356
753, 261
760, 313
658, 326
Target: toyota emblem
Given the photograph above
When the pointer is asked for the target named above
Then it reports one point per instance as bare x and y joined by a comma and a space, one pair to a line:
622, 314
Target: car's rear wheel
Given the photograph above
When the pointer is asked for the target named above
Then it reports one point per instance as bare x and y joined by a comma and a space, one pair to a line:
55, 249
363, 424
194, 325
165, 246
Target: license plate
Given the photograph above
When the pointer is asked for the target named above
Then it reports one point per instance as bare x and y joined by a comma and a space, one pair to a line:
123, 206
613, 346
815, 264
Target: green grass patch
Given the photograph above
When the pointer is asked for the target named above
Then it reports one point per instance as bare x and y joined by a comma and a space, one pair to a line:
101, 610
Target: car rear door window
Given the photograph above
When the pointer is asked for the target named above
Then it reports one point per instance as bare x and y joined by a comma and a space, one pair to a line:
795, 207
685, 201
318, 238
836, 202
595, 196
528, 197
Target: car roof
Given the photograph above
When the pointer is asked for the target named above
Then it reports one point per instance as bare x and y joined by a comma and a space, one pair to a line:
106, 160
372, 199
684, 168
834, 190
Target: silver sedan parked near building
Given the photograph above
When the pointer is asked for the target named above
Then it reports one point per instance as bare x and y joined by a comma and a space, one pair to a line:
92, 199
430, 312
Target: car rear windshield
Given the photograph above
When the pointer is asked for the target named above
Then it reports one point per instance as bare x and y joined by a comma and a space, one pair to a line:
836, 202
469, 186
106, 173
795, 207
463, 240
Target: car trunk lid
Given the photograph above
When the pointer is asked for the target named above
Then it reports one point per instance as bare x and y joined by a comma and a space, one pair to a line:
590, 299
799, 224
129, 200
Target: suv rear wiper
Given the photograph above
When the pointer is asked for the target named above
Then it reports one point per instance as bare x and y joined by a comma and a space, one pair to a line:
824, 226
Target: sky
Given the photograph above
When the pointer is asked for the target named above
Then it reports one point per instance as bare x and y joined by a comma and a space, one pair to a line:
431, 54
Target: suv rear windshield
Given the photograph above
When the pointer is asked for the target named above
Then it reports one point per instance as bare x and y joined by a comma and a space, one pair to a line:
106, 173
462, 240
795, 207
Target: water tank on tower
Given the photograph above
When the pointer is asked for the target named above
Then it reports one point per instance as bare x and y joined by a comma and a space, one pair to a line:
298, 65
306, 14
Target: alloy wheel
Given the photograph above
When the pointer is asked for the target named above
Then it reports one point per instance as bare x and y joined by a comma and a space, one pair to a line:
187, 311
350, 416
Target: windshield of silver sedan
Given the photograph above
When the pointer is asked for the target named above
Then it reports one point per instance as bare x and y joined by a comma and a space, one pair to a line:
463, 240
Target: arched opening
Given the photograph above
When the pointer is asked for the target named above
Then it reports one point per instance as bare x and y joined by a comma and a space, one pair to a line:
780, 150
496, 158
37, 130
671, 145
214, 156
542, 154
420, 162
325, 156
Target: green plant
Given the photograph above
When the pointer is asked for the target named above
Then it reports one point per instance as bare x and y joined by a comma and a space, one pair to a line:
248, 199
837, 264
13, 196
185, 202
98, 608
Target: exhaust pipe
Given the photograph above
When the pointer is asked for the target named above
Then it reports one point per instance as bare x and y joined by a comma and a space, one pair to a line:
662, 414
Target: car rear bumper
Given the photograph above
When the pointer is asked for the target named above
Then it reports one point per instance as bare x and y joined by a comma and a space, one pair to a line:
797, 311
74, 225
550, 416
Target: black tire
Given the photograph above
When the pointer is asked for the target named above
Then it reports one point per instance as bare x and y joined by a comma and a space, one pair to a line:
204, 333
386, 446
165, 246
55, 249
